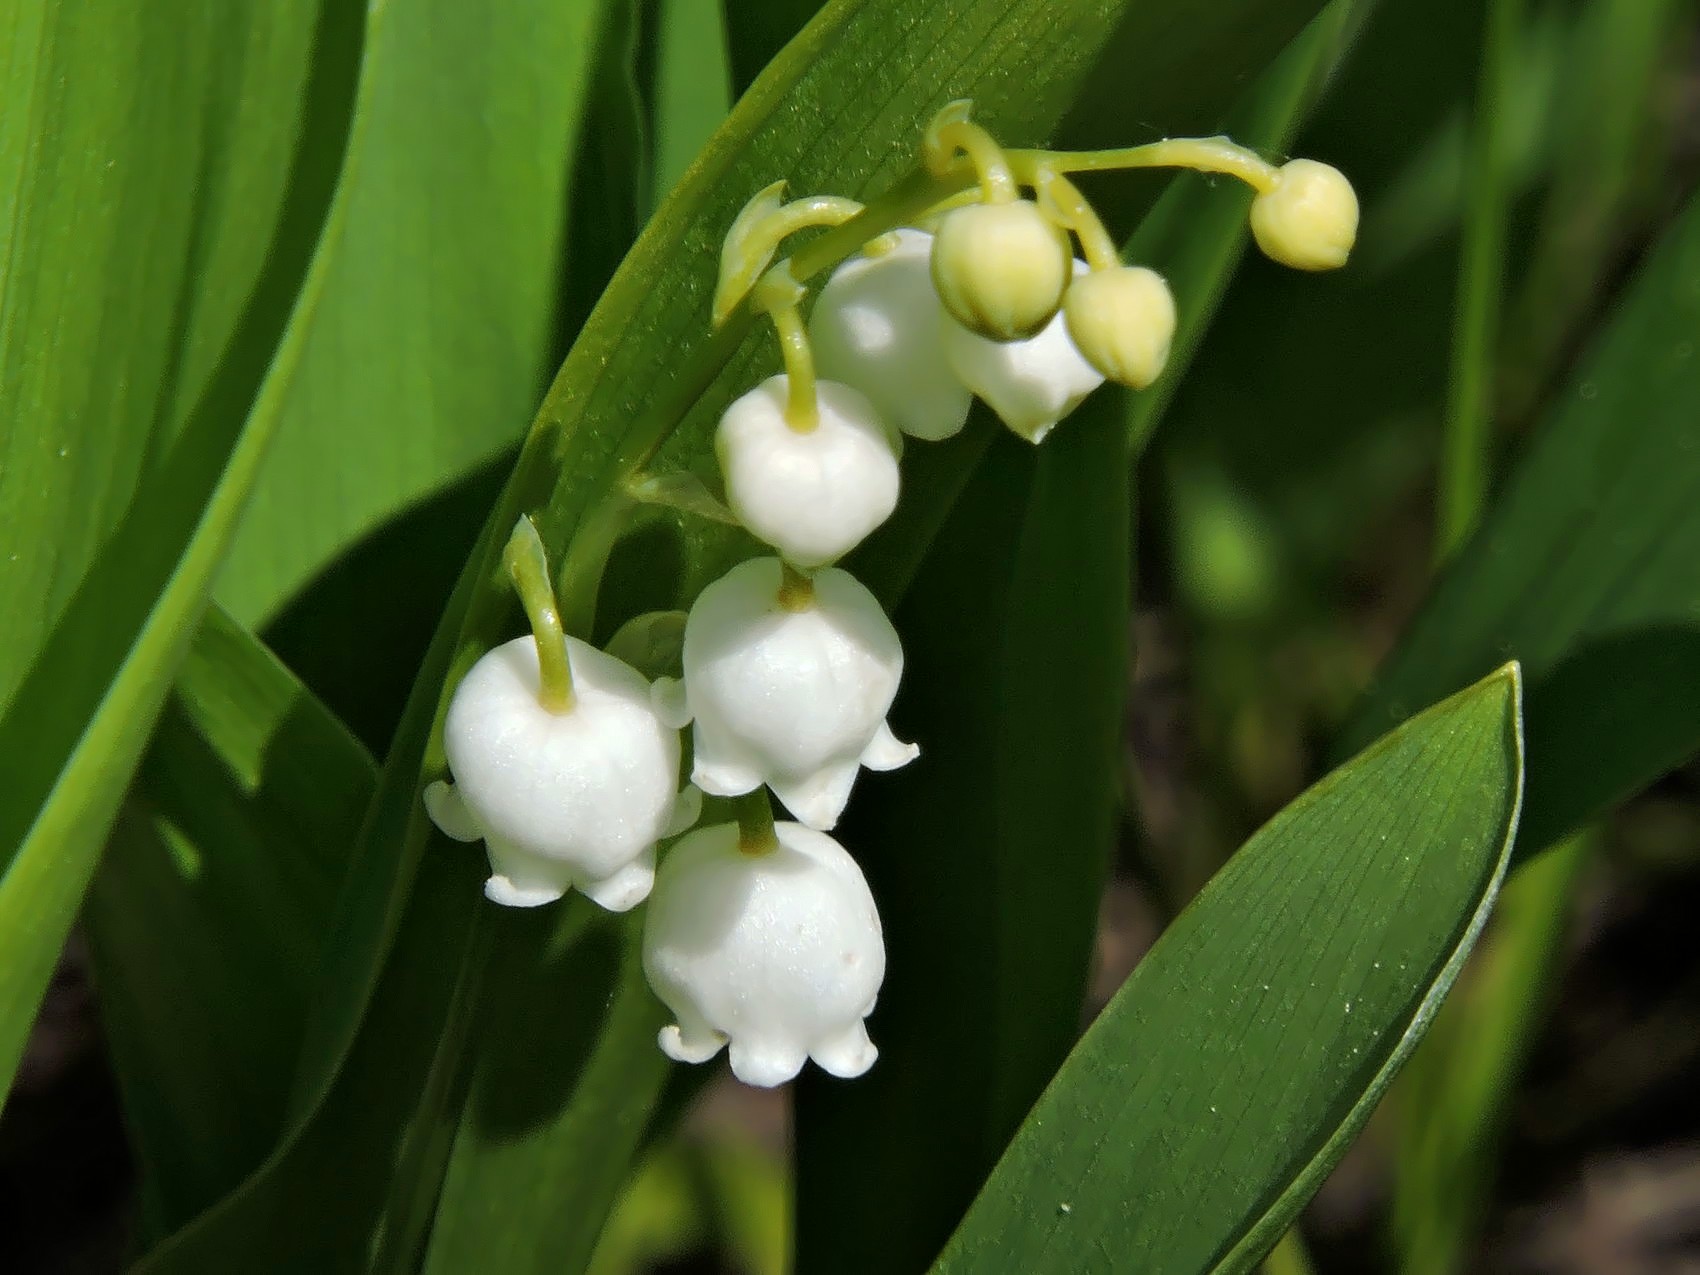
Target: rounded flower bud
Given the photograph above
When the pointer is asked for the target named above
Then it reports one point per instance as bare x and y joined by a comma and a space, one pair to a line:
1122, 321
875, 327
793, 698
1000, 269
778, 952
1031, 384
814, 495
575, 799
1309, 221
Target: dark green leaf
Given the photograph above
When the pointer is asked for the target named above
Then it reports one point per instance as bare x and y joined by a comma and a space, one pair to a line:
1229, 1073
1588, 567
210, 909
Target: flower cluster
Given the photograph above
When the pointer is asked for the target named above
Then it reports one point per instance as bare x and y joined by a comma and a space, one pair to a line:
760, 936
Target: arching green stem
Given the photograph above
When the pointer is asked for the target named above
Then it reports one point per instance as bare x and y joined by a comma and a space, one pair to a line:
528, 567
759, 230
1201, 154
1063, 203
952, 132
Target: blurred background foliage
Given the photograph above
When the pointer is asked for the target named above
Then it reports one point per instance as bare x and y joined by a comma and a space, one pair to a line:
1300, 491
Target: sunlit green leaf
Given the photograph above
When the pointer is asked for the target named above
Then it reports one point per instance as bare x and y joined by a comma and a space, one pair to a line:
428, 334
161, 192
1229, 1073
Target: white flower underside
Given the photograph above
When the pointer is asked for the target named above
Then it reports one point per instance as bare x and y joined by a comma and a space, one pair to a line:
795, 700
779, 955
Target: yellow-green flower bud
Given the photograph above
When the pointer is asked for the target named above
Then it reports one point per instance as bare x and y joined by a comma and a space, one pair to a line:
1309, 220
1122, 321
1000, 269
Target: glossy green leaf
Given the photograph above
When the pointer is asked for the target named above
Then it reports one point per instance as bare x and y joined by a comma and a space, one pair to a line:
989, 854
429, 333
1230, 1072
1587, 569
643, 386
150, 254
210, 910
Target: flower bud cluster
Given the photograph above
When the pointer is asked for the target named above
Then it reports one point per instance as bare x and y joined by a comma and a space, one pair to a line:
763, 937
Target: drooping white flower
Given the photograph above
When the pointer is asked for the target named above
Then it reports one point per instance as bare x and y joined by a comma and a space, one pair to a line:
568, 800
793, 696
778, 952
1000, 268
1309, 221
813, 495
875, 327
1030, 384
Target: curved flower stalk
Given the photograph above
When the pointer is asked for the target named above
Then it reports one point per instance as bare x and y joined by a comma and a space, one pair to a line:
769, 942
561, 764
788, 680
877, 326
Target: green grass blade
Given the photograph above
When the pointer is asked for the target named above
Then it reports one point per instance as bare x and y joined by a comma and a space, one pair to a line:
1228, 1074
1466, 461
1588, 568
150, 258
209, 912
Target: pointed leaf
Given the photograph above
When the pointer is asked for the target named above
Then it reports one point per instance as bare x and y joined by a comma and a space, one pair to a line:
1229, 1073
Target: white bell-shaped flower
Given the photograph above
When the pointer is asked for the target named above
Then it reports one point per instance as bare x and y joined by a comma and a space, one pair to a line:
1030, 384
562, 800
812, 494
789, 693
778, 952
875, 327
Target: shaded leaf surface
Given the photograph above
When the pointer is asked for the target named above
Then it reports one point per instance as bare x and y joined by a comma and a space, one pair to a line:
209, 911
1229, 1073
1587, 569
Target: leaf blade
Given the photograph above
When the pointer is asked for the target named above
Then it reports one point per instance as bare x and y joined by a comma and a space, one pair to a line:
1171, 1144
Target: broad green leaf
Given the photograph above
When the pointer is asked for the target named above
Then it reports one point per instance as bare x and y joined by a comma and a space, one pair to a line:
1229, 1073
209, 911
161, 189
1587, 569
429, 334
642, 387
693, 86
989, 854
